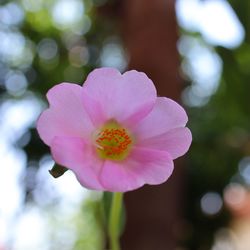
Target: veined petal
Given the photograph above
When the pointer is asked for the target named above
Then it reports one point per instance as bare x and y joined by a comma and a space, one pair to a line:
127, 98
154, 166
117, 177
166, 115
75, 154
176, 142
144, 166
66, 115
94, 109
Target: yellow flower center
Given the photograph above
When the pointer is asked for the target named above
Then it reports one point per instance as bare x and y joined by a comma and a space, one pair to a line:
113, 142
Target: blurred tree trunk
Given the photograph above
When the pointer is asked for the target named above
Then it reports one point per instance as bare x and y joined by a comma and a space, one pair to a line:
150, 35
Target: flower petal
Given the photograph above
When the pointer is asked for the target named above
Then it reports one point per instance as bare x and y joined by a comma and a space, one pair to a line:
117, 177
166, 115
66, 115
143, 166
94, 109
176, 142
75, 154
154, 166
126, 98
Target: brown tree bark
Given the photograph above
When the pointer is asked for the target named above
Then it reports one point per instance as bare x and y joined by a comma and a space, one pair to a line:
150, 35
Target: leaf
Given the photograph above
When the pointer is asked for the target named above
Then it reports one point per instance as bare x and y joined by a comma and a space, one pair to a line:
57, 171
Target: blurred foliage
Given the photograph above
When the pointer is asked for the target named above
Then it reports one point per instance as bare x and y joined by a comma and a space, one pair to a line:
93, 212
221, 137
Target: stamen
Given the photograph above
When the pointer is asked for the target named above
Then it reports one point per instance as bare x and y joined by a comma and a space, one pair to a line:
113, 142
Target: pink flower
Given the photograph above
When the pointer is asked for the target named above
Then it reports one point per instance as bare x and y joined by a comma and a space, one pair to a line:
114, 133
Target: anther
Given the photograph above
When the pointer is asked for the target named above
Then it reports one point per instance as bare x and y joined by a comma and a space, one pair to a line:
113, 142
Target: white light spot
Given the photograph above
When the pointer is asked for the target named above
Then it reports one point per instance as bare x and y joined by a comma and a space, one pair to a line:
16, 83
203, 66
220, 25
31, 230
113, 56
15, 49
188, 13
17, 117
47, 49
215, 19
11, 14
211, 203
244, 168
13, 162
206, 68
66, 13
11, 44
234, 195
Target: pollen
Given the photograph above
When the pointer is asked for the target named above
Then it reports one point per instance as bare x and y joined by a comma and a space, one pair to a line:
113, 142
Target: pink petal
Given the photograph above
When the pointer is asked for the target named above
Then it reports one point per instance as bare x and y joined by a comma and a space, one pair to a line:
66, 115
154, 166
117, 177
94, 109
126, 98
75, 154
176, 142
166, 115
143, 166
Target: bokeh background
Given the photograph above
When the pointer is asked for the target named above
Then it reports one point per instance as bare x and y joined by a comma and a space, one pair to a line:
45, 42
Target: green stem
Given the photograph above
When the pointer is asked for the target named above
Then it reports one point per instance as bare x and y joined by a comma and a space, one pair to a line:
114, 221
